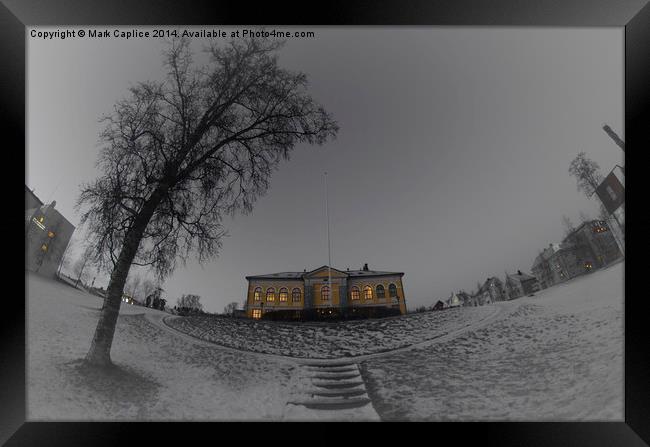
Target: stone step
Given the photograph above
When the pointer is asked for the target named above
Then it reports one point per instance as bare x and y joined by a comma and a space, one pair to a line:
336, 376
333, 369
330, 364
333, 385
340, 392
333, 404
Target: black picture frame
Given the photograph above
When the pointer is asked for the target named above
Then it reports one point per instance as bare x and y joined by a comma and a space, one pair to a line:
634, 15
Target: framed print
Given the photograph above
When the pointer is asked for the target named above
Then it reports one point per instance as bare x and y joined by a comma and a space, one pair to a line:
393, 212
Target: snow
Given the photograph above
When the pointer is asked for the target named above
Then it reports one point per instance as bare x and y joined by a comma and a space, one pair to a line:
330, 340
556, 356
161, 376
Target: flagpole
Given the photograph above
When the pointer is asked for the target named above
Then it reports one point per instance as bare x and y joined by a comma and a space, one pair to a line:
329, 255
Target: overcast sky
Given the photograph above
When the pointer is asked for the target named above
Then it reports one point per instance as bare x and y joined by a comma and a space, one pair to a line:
450, 164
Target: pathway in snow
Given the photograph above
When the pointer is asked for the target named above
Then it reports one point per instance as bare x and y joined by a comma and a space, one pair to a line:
332, 390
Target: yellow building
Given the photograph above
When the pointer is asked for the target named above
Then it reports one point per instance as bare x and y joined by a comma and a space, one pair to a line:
325, 292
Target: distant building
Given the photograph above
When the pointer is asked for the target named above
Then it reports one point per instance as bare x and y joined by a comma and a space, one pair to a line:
546, 268
520, 284
47, 233
439, 305
491, 291
594, 244
310, 295
467, 299
454, 301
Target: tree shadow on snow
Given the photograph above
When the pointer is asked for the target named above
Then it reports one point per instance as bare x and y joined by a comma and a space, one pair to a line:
115, 385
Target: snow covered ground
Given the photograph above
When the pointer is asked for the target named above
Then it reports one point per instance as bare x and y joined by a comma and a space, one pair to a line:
160, 376
556, 356
329, 340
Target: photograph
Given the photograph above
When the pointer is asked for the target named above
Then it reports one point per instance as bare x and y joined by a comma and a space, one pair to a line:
324, 223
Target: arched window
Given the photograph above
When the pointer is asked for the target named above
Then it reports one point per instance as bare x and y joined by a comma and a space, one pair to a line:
295, 295
284, 294
392, 291
367, 292
354, 293
270, 294
257, 295
381, 292
325, 293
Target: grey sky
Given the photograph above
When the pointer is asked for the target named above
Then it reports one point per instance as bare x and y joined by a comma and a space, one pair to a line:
450, 165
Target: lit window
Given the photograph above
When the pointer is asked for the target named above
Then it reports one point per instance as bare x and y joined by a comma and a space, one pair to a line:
381, 292
41, 219
50, 234
295, 295
44, 247
257, 294
284, 294
325, 293
257, 313
392, 290
270, 294
354, 293
367, 292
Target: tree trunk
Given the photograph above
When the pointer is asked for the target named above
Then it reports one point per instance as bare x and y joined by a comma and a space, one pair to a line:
100, 348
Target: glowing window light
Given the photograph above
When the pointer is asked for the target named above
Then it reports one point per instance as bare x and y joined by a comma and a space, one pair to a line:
354, 293
257, 314
367, 292
257, 295
50, 234
44, 247
325, 293
39, 223
284, 294
270, 294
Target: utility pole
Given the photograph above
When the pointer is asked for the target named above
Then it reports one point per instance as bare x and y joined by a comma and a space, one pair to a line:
614, 137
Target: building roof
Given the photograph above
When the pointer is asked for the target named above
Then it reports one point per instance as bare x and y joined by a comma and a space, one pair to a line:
30, 194
301, 275
521, 276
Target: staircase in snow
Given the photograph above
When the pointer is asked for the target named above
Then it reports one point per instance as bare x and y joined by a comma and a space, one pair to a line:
332, 390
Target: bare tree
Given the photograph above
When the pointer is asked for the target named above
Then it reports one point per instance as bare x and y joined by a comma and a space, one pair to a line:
80, 267
181, 153
230, 309
132, 285
66, 258
148, 287
586, 172
190, 302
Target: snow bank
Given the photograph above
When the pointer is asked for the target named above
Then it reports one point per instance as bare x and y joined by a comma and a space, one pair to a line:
558, 356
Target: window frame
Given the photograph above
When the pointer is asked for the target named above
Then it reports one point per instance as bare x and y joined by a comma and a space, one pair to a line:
286, 295
294, 294
381, 296
257, 294
367, 289
272, 294
322, 294
392, 286
354, 289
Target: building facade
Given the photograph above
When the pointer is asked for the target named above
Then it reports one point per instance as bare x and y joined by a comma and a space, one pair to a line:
594, 244
47, 234
325, 292
520, 284
492, 290
590, 246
